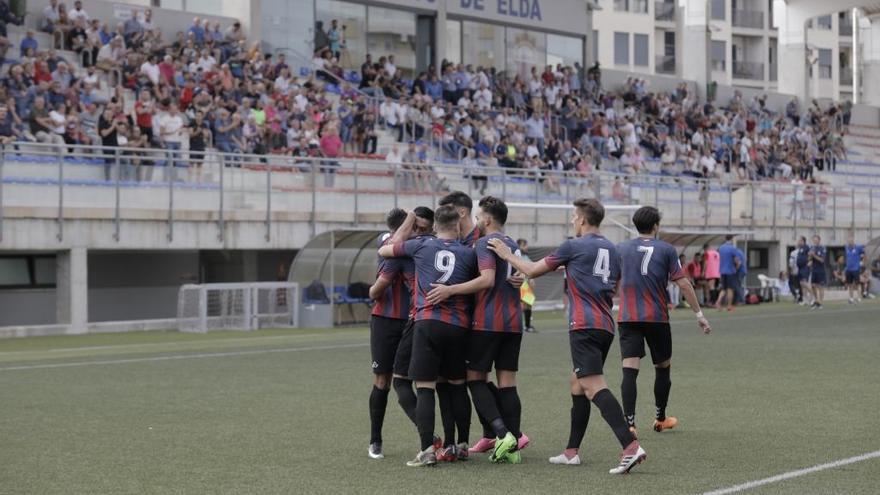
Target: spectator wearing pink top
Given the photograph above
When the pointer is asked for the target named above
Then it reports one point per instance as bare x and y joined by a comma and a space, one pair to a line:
331, 145
712, 268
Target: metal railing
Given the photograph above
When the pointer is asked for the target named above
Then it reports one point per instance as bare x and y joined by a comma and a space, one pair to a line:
748, 70
664, 11
753, 19
664, 64
846, 76
126, 182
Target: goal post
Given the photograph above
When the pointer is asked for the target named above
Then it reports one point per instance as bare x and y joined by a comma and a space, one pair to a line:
237, 306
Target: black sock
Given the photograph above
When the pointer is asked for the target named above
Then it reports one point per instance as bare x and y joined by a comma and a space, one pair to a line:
527, 313
511, 410
461, 411
444, 397
425, 416
487, 409
580, 416
662, 384
629, 391
613, 415
488, 432
405, 397
378, 403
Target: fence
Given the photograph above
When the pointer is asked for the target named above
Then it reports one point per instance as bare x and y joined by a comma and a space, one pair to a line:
138, 184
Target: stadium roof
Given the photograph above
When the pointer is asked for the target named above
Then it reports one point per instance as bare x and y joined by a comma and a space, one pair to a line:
686, 238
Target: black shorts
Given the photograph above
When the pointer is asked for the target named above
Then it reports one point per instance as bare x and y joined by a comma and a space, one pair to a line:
486, 347
853, 276
730, 282
438, 350
633, 336
589, 348
385, 334
404, 350
817, 276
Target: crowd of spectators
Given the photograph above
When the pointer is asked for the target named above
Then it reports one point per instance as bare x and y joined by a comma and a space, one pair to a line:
207, 87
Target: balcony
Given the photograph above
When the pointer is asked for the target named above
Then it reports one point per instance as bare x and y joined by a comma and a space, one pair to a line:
748, 70
719, 65
846, 76
664, 64
752, 19
774, 72
845, 29
664, 11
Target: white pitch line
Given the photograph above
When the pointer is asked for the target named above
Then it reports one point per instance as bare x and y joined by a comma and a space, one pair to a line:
179, 357
795, 474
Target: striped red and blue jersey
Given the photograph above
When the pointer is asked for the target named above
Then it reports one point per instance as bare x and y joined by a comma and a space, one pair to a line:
497, 309
441, 261
396, 301
647, 266
592, 269
471, 238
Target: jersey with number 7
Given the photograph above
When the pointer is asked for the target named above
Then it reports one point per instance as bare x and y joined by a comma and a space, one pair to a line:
441, 261
647, 266
592, 269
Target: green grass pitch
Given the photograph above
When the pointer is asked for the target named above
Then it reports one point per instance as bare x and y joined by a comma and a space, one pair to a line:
773, 389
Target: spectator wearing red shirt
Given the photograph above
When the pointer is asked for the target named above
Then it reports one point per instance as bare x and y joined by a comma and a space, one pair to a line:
694, 271
331, 145
144, 109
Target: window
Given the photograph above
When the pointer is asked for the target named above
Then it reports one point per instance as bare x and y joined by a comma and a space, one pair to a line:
640, 6
669, 43
640, 50
621, 48
564, 50
621, 5
823, 22
718, 10
595, 45
393, 32
27, 271
482, 45
824, 63
758, 258
525, 49
719, 55
453, 41
352, 19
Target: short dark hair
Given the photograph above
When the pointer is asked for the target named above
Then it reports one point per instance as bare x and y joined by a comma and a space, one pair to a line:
521, 242
645, 218
459, 199
394, 219
728, 237
494, 207
445, 217
425, 213
592, 210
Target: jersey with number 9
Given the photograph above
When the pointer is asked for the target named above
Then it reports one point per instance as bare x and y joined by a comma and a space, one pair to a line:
592, 269
441, 261
647, 267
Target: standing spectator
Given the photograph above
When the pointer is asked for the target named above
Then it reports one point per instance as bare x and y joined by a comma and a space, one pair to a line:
199, 135
108, 128
334, 36
171, 135
144, 108
50, 16
6, 16
331, 145
197, 31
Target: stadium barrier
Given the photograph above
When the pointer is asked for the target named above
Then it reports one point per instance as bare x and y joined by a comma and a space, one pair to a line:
140, 184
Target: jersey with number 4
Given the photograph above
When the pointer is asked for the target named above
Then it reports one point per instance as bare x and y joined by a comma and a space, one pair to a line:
647, 265
592, 269
498, 309
441, 261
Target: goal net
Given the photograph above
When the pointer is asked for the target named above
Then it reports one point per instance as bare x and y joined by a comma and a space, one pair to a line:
240, 306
